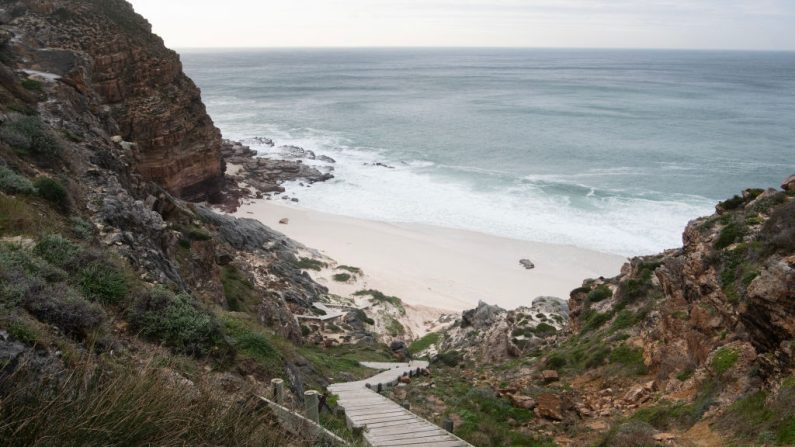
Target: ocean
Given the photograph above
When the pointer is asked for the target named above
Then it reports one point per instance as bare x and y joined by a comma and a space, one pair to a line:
612, 150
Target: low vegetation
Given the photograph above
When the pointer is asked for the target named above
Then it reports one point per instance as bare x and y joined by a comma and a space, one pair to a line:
425, 342
341, 277
310, 264
239, 292
104, 404
177, 321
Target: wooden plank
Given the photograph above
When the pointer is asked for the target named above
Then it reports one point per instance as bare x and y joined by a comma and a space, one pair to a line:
386, 423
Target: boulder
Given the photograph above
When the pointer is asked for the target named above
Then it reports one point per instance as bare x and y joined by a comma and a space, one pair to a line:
549, 406
550, 375
520, 401
789, 183
284, 221
526, 263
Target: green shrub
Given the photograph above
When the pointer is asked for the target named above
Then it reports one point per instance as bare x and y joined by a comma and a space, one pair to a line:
60, 305
81, 229
239, 292
28, 135
600, 293
52, 191
544, 330
342, 277
450, 358
380, 297
103, 282
57, 250
724, 359
32, 85
18, 262
685, 374
631, 358
595, 320
729, 234
596, 356
23, 332
394, 328
556, 361
762, 419
425, 342
310, 264
624, 319
732, 203
347, 268
177, 321
13, 183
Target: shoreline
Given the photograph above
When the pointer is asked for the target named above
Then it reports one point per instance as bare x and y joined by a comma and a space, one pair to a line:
437, 267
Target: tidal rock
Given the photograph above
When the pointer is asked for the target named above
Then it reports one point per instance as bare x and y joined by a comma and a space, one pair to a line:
526, 263
326, 159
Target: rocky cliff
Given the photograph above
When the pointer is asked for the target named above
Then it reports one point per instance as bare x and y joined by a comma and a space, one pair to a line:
104, 50
693, 346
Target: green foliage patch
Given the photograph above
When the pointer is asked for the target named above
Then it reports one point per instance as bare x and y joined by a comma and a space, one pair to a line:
724, 359
425, 342
310, 264
13, 183
177, 321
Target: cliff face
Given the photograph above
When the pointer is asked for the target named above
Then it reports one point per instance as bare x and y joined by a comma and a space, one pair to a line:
682, 348
104, 49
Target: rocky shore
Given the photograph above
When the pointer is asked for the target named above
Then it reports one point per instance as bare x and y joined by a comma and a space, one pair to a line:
251, 176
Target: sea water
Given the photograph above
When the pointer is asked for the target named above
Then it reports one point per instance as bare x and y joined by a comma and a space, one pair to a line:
613, 150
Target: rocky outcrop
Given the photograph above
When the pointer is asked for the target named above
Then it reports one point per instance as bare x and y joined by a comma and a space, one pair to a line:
490, 333
103, 49
253, 176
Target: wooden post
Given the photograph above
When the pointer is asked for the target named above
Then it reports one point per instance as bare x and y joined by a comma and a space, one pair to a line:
311, 402
278, 391
379, 388
407, 405
448, 425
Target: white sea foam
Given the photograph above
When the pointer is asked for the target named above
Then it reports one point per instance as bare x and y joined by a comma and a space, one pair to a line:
416, 191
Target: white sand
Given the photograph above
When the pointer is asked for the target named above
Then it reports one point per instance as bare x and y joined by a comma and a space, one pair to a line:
439, 267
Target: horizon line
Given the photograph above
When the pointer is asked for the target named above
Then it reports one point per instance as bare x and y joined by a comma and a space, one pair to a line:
484, 47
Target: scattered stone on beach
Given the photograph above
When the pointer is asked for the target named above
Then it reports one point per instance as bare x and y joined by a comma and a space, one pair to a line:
294, 199
526, 263
284, 221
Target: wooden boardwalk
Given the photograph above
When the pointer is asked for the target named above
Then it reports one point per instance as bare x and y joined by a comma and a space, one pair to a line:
385, 423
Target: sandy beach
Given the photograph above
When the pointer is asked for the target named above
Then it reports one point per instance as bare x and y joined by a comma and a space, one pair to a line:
438, 267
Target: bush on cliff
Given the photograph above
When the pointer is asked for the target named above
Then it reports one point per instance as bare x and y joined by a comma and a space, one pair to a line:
600, 293
28, 135
52, 191
13, 183
177, 321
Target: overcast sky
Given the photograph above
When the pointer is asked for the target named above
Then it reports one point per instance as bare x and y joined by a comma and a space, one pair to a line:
725, 24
